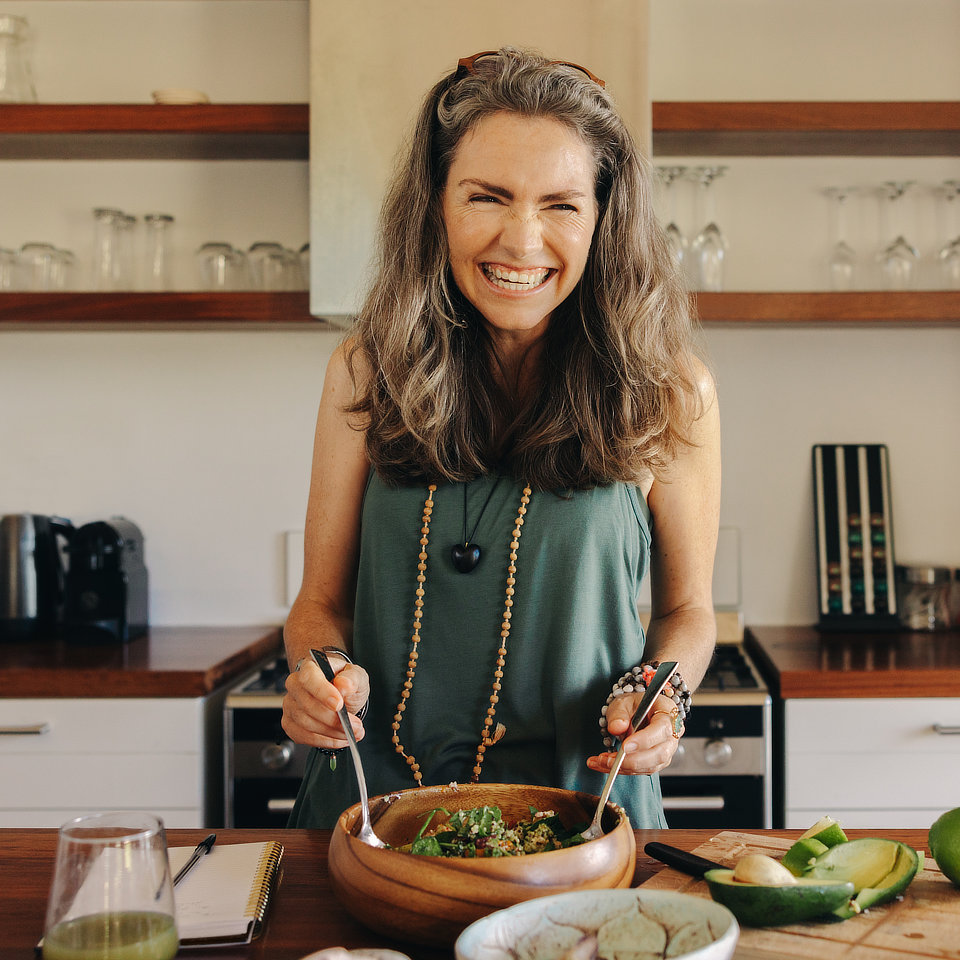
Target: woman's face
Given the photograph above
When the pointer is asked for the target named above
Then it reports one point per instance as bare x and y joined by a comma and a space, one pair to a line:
519, 211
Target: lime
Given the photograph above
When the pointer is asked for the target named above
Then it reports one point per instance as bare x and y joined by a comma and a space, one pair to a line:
945, 844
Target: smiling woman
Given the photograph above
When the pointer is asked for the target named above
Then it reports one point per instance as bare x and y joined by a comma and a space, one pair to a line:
519, 398
519, 212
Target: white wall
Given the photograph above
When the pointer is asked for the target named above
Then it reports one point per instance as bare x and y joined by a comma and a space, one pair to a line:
204, 438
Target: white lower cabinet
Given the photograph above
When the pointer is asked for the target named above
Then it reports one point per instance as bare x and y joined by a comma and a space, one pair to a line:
61, 758
871, 762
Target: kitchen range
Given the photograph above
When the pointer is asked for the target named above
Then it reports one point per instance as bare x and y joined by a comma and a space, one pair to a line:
720, 777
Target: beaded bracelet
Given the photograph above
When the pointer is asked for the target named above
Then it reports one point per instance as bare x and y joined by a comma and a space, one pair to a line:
636, 680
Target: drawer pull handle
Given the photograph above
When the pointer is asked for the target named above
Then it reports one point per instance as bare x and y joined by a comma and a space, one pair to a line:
945, 728
693, 803
32, 729
280, 806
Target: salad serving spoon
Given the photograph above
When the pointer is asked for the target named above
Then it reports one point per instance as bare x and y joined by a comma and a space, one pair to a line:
366, 834
660, 679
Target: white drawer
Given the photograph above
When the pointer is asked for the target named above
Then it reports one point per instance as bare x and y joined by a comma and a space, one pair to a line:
872, 754
118, 780
57, 816
134, 725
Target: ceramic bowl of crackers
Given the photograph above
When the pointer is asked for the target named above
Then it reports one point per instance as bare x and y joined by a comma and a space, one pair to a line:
430, 896
594, 924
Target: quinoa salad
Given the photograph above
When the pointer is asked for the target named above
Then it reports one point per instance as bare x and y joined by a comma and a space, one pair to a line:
482, 832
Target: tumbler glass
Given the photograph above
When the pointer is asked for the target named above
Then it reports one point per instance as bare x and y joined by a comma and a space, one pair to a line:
304, 257
157, 264
257, 255
111, 896
107, 270
16, 77
222, 267
37, 265
8, 269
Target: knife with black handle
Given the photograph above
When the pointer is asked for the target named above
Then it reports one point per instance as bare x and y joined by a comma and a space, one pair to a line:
681, 860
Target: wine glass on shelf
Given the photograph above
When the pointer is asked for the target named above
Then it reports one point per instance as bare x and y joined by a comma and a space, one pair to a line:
898, 259
948, 256
668, 177
709, 247
842, 258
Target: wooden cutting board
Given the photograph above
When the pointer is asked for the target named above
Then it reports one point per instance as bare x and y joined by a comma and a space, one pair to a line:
925, 923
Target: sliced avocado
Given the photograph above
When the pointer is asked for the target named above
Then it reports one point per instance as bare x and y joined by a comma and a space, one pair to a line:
770, 905
887, 888
863, 862
802, 855
827, 831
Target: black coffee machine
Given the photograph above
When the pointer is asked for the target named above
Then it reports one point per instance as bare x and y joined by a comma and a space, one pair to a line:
107, 583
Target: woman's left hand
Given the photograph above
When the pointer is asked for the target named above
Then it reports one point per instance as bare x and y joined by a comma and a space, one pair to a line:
648, 750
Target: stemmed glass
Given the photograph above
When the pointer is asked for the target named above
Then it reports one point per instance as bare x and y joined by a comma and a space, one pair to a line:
668, 176
948, 255
898, 259
842, 259
709, 247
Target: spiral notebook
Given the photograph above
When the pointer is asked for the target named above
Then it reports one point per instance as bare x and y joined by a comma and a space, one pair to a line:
224, 899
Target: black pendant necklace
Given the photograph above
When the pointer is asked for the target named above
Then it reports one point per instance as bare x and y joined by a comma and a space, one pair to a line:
466, 555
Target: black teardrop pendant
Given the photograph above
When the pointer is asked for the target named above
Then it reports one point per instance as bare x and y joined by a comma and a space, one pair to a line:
465, 557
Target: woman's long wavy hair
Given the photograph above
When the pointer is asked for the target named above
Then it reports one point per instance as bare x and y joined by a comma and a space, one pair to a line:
616, 390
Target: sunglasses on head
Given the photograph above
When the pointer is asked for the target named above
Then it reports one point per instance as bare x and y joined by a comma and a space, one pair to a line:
467, 65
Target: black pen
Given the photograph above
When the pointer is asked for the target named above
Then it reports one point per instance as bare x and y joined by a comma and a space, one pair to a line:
203, 848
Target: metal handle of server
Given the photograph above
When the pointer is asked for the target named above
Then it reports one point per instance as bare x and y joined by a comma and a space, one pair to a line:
693, 803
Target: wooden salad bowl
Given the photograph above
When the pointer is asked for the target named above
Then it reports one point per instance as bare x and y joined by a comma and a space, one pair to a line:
429, 900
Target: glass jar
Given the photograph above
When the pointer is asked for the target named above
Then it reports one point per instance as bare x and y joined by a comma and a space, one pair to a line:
16, 77
923, 597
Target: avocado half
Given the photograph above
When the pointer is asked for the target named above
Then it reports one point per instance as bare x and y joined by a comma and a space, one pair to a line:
762, 905
879, 870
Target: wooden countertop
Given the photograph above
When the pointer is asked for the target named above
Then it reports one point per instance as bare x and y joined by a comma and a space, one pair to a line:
305, 915
804, 662
168, 662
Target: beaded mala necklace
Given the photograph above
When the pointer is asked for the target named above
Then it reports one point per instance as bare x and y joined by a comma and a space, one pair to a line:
486, 739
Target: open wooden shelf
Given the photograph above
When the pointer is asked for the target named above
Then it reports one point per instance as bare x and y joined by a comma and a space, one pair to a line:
882, 307
130, 131
188, 310
806, 128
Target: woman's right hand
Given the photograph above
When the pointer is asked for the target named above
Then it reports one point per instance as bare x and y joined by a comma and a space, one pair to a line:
311, 703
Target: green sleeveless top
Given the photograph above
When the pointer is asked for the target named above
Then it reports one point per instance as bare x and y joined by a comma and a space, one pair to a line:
574, 630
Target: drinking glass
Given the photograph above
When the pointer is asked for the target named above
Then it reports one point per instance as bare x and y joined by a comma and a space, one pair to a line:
304, 257
16, 77
222, 267
898, 259
8, 269
948, 256
668, 176
111, 897
157, 266
37, 262
842, 259
107, 272
257, 255
709, 247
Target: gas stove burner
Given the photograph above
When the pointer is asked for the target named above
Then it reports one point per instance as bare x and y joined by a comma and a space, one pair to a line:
729, 670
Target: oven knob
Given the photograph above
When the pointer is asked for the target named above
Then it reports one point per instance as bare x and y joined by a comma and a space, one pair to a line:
275, 756
717, 753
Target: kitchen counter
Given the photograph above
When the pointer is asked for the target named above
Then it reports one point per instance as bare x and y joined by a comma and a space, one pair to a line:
168, 662
305, 915
804, 662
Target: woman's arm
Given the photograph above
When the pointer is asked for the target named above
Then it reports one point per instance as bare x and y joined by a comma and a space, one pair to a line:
322, 614
685, 507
